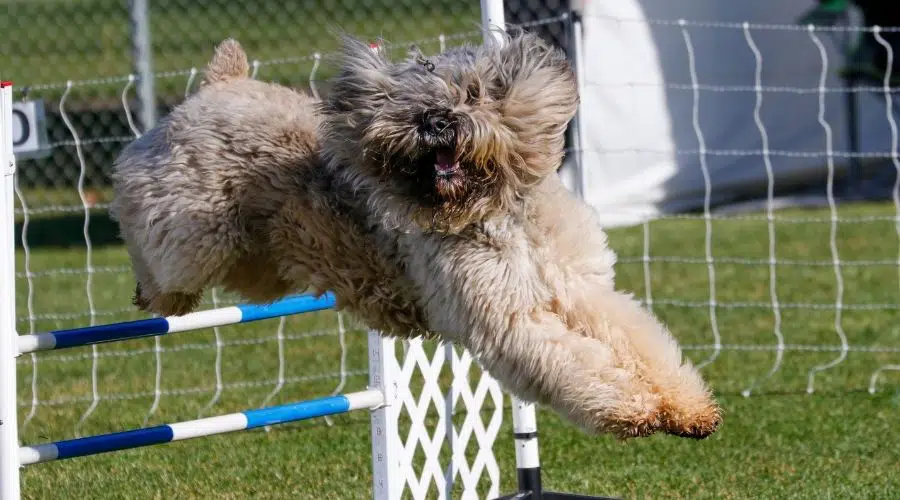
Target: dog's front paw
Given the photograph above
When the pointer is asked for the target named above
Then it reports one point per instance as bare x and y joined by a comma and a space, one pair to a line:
699, 423
695, 423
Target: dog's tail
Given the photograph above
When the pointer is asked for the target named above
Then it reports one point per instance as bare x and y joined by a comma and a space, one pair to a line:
228, 62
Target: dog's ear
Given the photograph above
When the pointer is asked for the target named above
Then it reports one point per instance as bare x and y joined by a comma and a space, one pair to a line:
536, 78
362, 76
228, 62
538, 97
357, 55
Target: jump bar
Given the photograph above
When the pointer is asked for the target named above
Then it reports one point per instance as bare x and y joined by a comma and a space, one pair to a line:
75, 337
161, 434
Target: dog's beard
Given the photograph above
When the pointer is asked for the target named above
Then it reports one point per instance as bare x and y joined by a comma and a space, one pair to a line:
449, 179
435, 171
436, 179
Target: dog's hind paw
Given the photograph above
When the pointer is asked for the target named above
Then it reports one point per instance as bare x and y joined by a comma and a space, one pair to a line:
138, 299
166, 304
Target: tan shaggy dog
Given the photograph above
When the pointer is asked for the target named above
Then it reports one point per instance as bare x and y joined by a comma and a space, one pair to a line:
424, 194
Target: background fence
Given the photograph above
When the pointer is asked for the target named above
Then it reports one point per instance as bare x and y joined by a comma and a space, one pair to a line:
95, 43
763, 299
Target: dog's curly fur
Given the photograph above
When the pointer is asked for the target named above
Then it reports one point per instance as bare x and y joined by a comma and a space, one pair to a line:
229, 189
423, 193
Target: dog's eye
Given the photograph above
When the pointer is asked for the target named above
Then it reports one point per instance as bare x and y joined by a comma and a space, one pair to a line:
473, 92
496, 89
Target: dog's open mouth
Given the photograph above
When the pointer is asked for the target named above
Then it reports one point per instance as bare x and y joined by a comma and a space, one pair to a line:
445, 162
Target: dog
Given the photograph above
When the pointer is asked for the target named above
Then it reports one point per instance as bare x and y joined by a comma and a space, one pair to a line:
200, 198
424, 194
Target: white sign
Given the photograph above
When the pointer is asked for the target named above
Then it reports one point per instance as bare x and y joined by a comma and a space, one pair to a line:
29, 130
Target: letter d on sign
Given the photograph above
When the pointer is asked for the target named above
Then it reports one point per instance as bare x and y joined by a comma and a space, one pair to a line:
29, 130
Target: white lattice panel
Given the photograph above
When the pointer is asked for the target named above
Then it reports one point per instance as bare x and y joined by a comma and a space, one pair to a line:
449, 415
473, 425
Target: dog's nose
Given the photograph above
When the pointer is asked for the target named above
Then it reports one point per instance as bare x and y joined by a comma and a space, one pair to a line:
436, 123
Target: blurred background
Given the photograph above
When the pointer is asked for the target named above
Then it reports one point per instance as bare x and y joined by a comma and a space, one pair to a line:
120, 65
96, 44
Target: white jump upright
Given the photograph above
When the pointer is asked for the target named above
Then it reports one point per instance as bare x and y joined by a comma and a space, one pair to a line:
9, 434
493, 19
387, 458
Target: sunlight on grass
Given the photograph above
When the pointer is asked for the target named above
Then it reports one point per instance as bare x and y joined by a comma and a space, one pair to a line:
778, 443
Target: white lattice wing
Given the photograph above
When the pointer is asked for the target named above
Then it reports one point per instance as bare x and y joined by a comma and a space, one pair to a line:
453, 412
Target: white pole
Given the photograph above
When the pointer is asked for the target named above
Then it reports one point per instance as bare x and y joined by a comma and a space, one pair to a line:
492, 20
388, 462
528, 461
576, 54
142, 57
9, 434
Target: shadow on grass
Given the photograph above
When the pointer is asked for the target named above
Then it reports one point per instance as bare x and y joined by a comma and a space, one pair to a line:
67, 231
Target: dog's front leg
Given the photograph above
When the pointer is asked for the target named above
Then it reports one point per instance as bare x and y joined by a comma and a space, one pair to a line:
538, 358
604, 371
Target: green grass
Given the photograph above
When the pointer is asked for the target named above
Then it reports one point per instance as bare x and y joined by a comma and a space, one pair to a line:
780, 442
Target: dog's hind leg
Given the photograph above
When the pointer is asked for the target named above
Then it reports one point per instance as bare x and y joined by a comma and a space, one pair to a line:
255, 276
165, 304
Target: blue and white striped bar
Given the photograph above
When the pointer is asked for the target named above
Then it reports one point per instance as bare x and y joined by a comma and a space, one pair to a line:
62, 339
161, 434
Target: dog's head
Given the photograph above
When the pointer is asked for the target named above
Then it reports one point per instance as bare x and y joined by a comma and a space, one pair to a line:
452, 138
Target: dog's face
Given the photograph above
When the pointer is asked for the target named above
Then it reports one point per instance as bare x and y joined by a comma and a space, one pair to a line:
455, 136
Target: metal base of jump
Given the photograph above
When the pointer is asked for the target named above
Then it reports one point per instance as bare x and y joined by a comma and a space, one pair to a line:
528, 465
526, 493
549, 495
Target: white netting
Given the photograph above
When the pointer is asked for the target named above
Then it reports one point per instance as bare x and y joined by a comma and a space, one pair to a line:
764, 299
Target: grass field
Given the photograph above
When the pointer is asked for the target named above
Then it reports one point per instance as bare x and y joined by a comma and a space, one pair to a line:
839, 442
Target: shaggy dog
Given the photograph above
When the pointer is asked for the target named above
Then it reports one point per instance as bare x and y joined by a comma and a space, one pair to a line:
203, 196
424, 194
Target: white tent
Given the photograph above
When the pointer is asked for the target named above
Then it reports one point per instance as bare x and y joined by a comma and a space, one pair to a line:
647, 116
